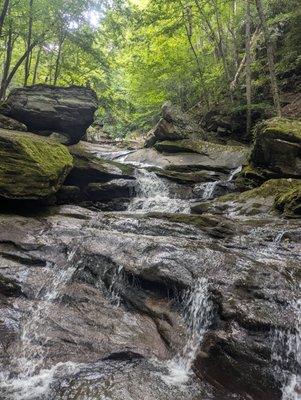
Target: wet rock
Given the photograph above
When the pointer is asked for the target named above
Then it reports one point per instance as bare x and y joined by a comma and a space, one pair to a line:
215, 156
11, 124
271, 195
9, 287
117, 188
90, 169
174, 125
32, 167
66, 110
277, 148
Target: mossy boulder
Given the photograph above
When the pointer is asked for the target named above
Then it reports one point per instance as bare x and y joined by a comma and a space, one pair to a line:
289, 202
273, 195
277, 148
31, 167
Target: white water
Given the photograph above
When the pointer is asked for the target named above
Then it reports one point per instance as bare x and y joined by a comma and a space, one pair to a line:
287, 347
209, 187
292, 388
152, 195
198, 314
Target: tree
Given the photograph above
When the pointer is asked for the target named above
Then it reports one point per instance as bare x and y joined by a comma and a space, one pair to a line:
270, 57
248, 65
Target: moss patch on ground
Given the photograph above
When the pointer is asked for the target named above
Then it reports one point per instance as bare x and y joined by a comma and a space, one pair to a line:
283, 128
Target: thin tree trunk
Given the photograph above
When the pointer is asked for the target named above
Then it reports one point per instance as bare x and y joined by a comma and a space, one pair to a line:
29, 37
188, 28
58, 59
7, 62
270, 57
3, 14
36, 67
242, 64
7, 81
248, 65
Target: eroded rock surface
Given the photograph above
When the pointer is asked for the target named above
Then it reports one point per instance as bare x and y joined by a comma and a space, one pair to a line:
42, 108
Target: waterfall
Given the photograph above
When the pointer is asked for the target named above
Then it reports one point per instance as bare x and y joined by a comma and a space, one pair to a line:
209, 187
287, 347
153, 194
29, 379
198, 315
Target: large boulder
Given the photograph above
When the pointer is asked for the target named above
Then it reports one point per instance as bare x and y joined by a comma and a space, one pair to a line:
277, 148
47, 109
174, 125
31, 167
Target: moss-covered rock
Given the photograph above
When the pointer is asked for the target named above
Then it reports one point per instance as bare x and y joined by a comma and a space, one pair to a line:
277, 148
31, 167
289, 202
273, 195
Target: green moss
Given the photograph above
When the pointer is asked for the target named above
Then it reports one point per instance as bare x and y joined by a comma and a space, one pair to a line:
271, 188
31, 167
283, 128
289, 202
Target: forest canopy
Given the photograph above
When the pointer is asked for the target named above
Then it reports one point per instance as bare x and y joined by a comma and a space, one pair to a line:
137, 54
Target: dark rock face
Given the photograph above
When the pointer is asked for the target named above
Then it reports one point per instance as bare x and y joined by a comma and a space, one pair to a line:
68, 111
11, 124
277, 148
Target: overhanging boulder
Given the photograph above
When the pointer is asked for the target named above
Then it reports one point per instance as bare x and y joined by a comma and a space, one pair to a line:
47, 109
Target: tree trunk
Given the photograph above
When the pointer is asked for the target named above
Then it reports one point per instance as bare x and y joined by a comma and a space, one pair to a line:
29, 36
58, 59
3, 14
7, 62
189, 29
248, 65
270, 57
5, 83
36, 67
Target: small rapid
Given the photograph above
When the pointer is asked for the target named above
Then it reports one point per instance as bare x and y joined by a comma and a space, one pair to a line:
198, 309
153, 195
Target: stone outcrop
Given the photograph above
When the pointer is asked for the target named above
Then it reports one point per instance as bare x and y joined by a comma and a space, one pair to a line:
31, 167
174, 125
277, 148
275, 194
47, 109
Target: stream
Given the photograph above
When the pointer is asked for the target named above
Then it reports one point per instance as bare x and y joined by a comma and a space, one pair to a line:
147, 304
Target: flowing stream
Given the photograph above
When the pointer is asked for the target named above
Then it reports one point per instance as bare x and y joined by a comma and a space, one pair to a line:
198, 315
153, 195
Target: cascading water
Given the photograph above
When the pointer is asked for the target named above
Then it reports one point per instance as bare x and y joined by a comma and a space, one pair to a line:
210, 187
198, 314
287, 347
153, 194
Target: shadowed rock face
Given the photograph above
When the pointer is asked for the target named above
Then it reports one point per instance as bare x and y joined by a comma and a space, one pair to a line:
69, 111
123, 300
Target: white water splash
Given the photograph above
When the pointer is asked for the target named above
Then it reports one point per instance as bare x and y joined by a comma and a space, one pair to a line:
292, 388
29, 379
209, 187
198, 310
234, 173
152, 195
287, 347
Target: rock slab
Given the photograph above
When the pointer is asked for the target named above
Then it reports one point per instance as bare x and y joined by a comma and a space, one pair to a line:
43, 108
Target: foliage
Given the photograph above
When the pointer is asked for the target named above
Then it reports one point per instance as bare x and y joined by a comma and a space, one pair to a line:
138, 54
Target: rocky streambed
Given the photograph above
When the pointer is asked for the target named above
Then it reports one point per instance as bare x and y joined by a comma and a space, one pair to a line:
170, 272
